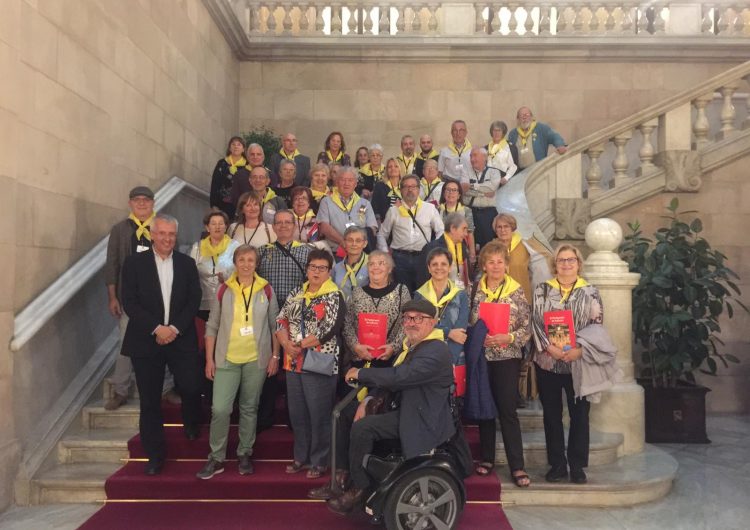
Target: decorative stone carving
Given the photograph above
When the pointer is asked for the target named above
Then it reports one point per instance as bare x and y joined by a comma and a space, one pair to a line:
571, 217
682, 170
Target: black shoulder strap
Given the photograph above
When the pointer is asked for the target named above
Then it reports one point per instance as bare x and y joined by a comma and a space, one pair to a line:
289, 255
414, 220
390, 328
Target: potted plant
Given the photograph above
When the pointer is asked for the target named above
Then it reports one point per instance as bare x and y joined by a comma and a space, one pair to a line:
266, 138
685, 287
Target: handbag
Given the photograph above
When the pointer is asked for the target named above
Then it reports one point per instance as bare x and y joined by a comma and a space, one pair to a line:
315, 361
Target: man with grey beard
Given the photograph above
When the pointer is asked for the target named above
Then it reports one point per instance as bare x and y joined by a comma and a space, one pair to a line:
533, 139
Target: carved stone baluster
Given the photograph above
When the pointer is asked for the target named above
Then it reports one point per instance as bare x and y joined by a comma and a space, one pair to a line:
255, 18
271, 20
620, 163
578, 20
739, 21
528, 23
424, 21
513, 25
319, 22
659, 22
433, 24
611, 22
701, 126
336, 19
594, 173
384, 24
746, 123
647, 151
626, 26
304, 22
287, 21
728, 112
721, 15
707, 25
561, 23
544, 19
594, 24
400, 22
479, 25
414, 27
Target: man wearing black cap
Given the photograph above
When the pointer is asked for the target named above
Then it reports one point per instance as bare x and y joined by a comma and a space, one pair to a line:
129, 236
421, 376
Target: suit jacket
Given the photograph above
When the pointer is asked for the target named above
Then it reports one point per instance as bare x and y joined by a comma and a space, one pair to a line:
142, 301
303, 169
424, 381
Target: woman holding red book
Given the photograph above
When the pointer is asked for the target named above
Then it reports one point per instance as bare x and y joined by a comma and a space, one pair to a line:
502, 348
567, 297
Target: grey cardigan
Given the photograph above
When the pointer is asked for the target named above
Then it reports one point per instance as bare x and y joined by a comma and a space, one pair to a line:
219, 325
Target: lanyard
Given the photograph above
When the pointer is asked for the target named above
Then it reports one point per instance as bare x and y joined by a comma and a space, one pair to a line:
244, 233
430, 189
247, 301
300, 224
497, 292
566, 299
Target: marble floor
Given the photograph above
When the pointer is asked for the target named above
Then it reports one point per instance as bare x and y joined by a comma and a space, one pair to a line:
712, 491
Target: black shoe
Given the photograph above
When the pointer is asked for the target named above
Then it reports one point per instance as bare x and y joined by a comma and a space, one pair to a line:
347, 501
153, 466
192, 432
212, 467
245, 466
577, 476
556, 474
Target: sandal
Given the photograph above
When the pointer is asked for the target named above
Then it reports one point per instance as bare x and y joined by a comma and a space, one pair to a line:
315, 472
484, 468
294, 467
521, 479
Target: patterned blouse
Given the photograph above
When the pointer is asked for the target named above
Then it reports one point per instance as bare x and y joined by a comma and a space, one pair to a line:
385, 301
585, 303
323, 318
520, 316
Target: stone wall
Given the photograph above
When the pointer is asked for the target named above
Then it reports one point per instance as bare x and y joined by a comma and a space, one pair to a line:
379, 102
97, 96
723, 204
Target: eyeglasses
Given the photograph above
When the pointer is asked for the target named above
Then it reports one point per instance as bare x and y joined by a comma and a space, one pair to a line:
564, 261
504, 227
413, 187
283, 222
451, 190
317, 268
418, 319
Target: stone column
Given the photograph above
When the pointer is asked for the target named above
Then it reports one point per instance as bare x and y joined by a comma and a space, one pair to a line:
621, 409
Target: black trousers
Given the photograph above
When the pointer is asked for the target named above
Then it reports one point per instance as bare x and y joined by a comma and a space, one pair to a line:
149, 376
267, 404
365, 433
551, 387
406, 268
343, 434
504, 386
483, 218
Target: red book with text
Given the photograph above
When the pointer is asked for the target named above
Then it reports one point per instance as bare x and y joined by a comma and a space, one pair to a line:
372, 331
559, 328
496, 316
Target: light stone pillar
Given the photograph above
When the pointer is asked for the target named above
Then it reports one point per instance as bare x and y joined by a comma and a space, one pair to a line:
621, 408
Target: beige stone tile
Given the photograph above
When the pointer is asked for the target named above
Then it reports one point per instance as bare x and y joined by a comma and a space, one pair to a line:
53, 220
566, 104
174, 136
9, 217
10, 23
6, 333
145, 159
505, 104
94, 222
7, 283
483, 76
38, 160
36, 268
251, 75
255, 105
293, 104
154, 122
13, 88
9, 144
38, 41
77, 69
134, 66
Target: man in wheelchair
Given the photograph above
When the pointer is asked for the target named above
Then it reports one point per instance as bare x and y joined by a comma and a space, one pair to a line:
408, 402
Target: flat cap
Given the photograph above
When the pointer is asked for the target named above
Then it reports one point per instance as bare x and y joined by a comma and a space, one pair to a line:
141, 191
420, 306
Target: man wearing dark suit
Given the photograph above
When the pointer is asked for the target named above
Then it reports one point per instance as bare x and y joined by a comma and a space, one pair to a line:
161, 294
289, 151
422, 381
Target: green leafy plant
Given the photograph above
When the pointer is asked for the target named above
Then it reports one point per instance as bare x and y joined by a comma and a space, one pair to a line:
685, 287
265, 137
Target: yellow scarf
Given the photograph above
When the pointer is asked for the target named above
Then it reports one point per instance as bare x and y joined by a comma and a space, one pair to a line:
142, 228
330, 156
514, 241
351, 273
368, 170
294, 155
317, 195
395, 192
456, 249
428, 189
234, 284
210, 251
431, 154
467, 145
327, 288
494, 149
459, 208
336, 198
428, 291
270, 194
302, 219
234, 165
504, 290
406, 162
435, 334
524, 136
405, 212
565, 292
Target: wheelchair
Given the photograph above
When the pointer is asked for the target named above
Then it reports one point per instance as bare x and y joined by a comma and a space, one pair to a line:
420, 493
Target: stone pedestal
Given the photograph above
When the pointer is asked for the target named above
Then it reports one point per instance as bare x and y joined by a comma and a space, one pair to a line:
621, 409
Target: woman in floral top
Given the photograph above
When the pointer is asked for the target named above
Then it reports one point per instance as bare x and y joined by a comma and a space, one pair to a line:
566, 291
311, 319
503, 353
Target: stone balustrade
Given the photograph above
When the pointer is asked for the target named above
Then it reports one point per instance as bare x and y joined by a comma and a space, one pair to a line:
666, 147
398, 18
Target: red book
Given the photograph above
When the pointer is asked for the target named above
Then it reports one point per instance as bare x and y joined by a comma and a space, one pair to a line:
560, 329
372, 331
459, 377
496, 316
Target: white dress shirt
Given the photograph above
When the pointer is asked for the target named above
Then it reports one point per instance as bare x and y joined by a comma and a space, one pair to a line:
455, 165
503, 160
406, 232
165, 270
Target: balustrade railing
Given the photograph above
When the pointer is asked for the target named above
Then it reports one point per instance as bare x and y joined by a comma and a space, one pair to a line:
321, 18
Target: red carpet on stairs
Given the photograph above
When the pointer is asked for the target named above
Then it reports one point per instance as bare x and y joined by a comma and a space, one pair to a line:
277, 500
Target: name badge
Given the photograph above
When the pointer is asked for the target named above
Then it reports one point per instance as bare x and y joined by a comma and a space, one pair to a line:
459, 168
350, 223
524, 149
245, 331
141, 248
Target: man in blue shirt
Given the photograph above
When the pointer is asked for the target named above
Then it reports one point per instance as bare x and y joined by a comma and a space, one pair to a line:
532, 139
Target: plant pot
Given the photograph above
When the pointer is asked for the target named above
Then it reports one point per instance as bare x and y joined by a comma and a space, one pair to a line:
675, 415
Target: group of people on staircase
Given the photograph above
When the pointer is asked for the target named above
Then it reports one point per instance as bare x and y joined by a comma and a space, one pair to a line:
294, 254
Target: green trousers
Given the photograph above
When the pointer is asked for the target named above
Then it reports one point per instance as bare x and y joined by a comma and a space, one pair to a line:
248, 379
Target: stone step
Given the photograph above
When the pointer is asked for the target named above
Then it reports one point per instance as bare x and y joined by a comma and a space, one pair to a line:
72, 483
632, 479
98, 445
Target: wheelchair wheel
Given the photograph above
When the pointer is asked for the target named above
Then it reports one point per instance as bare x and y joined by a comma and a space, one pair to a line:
423, 499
